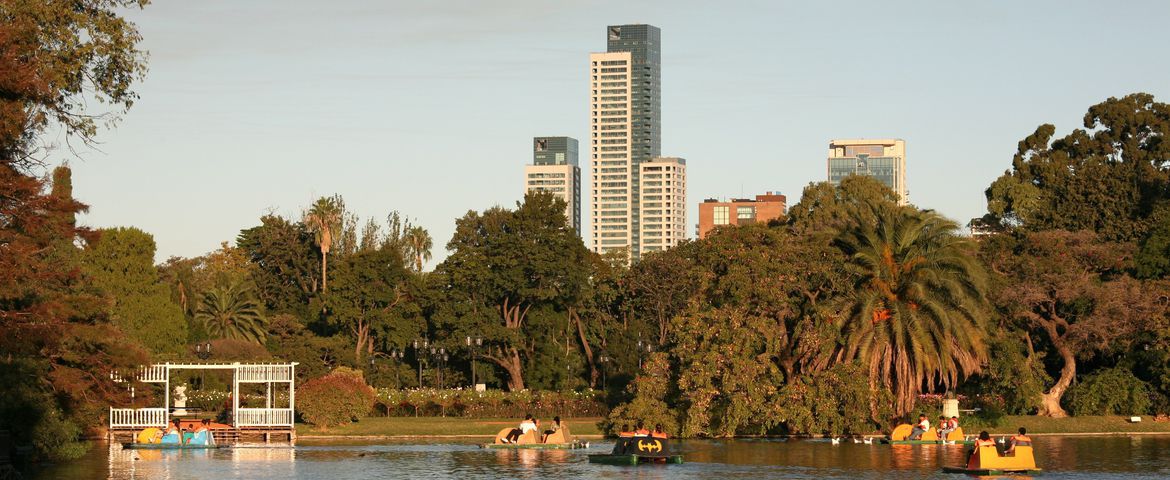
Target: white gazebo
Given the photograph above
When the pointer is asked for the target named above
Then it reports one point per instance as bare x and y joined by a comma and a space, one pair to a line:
270, 419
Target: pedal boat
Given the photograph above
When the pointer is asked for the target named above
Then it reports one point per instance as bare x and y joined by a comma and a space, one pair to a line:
988, 461
559, 440
901, 436
638, 451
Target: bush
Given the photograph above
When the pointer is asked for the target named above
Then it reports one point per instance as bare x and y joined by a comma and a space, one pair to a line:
1113, 391
335, 399
58, 437
649, 391
835, 401
430, 402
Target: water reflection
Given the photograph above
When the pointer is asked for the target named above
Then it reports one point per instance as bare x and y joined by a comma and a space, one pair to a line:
1065, 457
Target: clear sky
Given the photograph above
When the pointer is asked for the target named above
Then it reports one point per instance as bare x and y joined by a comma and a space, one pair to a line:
429, 107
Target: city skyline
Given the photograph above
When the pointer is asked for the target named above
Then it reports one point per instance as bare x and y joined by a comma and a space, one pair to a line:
264, 103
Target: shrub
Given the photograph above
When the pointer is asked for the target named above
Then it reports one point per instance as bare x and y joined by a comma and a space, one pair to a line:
335, 399
1113, 391
649, 391
835, 401
490, 404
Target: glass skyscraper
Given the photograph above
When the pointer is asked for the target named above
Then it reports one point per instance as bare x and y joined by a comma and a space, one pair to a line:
883, 159
554, 169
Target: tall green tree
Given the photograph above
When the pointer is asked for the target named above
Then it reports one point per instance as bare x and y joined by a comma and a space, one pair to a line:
419, 241
284, 258
232, 311
121, 264
1071, 290
370, 292
324, 219
1108, 177
503, 263
824, 207
919, 306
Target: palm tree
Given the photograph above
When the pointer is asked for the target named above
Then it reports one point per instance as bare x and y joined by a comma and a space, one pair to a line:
324, 220
232, 312
418, 242
918, 307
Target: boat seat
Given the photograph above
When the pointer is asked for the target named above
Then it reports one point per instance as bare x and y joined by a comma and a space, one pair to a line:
988, 458
524, 439
560, 436
901, 432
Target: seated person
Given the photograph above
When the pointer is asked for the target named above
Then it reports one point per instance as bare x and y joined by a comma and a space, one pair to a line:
625, 432
1019, 440
944, 427
922, 427
202, 435
556, 427
526, 426
658, 433
174, 433
640, 431
984, 440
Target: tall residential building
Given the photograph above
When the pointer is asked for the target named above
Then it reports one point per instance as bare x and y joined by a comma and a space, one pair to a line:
554, 169
663, 212
740, 211
883, 159
625, 118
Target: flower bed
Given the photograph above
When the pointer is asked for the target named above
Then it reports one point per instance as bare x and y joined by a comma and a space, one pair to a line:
430, 402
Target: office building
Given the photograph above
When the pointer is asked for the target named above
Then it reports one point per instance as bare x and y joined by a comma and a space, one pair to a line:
740, 211
554, 169
663, 206
883, 159
625, 132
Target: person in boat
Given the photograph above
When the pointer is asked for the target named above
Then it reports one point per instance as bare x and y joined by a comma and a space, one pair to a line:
640, 431
1018, 440
556, 427
526, 426
625, 433
658, 433
922, 427
202, 434
944, 427
984, 440
174, 433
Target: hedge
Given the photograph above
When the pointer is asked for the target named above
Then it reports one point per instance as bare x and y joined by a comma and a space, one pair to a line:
431, 402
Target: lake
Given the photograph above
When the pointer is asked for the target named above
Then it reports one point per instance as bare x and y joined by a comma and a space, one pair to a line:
1060, 457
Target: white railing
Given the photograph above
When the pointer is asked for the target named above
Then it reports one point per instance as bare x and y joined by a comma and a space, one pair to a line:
264, 373
264, 417
138, 417
154, 373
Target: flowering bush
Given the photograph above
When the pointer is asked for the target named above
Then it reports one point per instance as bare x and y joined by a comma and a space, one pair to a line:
335, 399
490, 403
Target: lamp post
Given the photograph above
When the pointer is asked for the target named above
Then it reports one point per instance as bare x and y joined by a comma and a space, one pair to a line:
203, 350
419, 352
643, 347
397, 355
604, 361
473, 343
439, 358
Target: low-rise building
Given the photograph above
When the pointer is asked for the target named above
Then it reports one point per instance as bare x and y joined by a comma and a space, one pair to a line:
740, 211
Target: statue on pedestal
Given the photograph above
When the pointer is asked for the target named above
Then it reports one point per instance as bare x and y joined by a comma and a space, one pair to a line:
180, 400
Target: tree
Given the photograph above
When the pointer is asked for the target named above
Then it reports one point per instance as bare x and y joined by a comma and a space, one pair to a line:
824, 207
502, 264
1107, 177
1072, 290
918, 308
121, 264
283, 255
231, 311
658, 288
54, 58
369, 289
324, 221
419, 242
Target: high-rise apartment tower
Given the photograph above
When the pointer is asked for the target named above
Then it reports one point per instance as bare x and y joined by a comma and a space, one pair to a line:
554, 169
625, 110
883, 159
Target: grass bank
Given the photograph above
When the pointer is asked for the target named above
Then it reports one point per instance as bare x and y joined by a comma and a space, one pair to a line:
437, 426
1077, 425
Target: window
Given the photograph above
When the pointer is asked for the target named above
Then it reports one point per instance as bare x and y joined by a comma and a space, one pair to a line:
745, 213
722, 215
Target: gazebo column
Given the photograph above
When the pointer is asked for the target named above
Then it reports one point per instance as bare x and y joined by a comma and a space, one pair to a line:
166, 393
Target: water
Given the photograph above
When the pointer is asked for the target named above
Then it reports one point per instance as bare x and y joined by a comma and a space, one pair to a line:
1060, 457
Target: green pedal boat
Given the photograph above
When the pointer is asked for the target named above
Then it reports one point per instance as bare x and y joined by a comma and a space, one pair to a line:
638, 451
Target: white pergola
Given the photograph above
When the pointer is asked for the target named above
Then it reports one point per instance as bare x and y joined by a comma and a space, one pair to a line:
242, 373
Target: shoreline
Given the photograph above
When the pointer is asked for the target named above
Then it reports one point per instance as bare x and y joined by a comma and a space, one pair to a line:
747, 437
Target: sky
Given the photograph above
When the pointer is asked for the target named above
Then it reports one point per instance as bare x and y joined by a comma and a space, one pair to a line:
429, 107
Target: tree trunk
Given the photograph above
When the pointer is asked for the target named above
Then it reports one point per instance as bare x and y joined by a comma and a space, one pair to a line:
1050, 400
593, 373
324, 287
511, 365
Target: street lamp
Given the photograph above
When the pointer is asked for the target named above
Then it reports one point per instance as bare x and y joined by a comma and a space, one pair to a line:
643, 347
604, 361
203, 350
439, 358
418, 355
397, 355
473, 344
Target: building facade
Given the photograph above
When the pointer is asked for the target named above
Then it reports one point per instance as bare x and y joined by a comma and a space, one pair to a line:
625, 132
663, 206
554, 169
740, 211
883, 159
